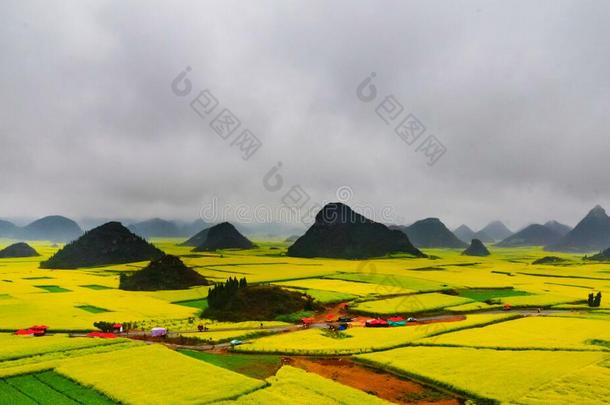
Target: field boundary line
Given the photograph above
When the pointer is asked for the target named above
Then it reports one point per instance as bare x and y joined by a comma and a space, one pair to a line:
504, 348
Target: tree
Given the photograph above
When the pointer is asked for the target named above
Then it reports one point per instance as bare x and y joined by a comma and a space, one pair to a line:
598, 299
590, 300
104, 326
223, 293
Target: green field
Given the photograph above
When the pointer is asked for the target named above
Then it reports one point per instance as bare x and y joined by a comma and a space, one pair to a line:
48, 388
260, 367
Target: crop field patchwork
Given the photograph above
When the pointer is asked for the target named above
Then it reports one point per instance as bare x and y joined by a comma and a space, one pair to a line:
568, 342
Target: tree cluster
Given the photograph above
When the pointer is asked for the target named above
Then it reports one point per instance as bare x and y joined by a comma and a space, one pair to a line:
222, 293
104, 326
595, 300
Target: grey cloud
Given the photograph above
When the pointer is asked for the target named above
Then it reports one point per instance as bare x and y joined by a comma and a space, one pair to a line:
518, 93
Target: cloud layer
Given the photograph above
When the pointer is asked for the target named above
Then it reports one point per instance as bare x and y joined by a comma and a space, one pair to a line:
518, 93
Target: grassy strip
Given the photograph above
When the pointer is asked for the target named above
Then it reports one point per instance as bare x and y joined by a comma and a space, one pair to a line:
599, 342
199, 303
11, 395
92, 308
96, 287
255, 366
39, 391
52, 288
484, 294
561, 276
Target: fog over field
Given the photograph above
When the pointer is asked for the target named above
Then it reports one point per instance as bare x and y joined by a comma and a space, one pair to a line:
518, 95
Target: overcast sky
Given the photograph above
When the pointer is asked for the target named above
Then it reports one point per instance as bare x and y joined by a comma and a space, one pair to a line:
518, 93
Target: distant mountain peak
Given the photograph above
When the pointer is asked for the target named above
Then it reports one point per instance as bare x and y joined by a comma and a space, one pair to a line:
597, 211
339, 213
464, 233
558, 227
590, 234
110, 243
432, 233
496, 230
339, 232
532, 235
223, 236
463, 227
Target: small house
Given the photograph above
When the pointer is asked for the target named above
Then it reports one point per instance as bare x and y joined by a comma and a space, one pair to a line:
158, 332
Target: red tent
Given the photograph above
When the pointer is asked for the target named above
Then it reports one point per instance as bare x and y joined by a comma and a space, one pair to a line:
396, 319
36, 330
103, 335
308, 321
376, 323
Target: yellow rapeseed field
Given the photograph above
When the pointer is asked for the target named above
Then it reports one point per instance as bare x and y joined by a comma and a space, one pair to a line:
358, 339
294, 386
532, 332
15, 347
348, 287
155, 374
502, 375
410, 304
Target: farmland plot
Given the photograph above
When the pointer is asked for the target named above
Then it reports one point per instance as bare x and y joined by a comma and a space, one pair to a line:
14, 347
532, 332
502, 375
295, 386
410, 304
155, 374
347, 287
358, 339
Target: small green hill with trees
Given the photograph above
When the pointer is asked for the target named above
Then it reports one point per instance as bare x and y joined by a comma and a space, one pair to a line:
221, 236
20, 249
107, 244
165, 273
235, 301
